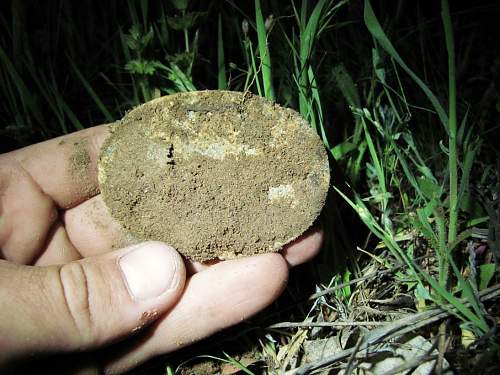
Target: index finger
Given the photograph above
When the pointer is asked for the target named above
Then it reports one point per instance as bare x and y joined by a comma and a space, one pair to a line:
65, 168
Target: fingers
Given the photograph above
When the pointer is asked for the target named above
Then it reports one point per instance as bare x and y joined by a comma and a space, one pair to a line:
26, 215
304, 248
92, 230
65, 168
221, 296
58, 248
88, 303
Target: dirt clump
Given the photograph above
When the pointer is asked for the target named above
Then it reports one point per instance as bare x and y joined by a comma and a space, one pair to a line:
81, 168
215, 174
79, 160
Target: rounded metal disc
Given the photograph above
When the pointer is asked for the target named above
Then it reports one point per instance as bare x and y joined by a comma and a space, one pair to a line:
215, 174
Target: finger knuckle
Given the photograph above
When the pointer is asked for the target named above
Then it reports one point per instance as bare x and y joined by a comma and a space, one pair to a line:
76, 296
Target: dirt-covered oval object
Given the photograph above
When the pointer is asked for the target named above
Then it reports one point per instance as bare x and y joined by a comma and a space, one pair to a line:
215, 174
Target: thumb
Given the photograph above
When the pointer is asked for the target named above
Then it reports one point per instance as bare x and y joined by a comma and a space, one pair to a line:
87, 303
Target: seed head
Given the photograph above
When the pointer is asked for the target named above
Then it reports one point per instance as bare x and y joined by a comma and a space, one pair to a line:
244, 27
269, 22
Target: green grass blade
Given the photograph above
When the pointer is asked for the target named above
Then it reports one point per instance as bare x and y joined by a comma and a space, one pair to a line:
452, 121
486, 274
317, 107
308, 32
181, 81
368, 219
132, 11
71, 115
10, 93
470, 296
379, 168
442, 250
265, 58
378, 33
464, 312
346, 85
461, 129
253, 71
123, 98
144, 13
221, 64
460, 238
91, 92
422, 223
303, 15
468, 161
296, 13
408, 171
128, 57
342, 149
311, 30
49, 92
27, 101
233, 361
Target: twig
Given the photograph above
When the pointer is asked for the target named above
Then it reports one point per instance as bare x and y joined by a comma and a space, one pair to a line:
442, 343
395, 329
350, 363
372, 311
325, 324
343, 285
411, 364
349, 283
359, 279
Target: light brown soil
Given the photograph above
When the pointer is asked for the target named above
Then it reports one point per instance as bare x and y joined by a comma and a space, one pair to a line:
215, 174
79, 160
80, 168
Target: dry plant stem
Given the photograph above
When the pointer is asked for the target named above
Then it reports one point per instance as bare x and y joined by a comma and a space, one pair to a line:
352, 358
411, 364
442, 347
326, 324
376, 312
395, 329
371, 275
307, 369
359, 279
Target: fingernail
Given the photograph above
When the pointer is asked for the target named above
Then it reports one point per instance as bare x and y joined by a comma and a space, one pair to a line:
150, 269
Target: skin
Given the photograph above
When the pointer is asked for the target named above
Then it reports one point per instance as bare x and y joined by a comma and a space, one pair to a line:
53, 225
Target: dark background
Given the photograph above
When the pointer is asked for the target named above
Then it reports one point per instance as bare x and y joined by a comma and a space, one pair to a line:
39, 39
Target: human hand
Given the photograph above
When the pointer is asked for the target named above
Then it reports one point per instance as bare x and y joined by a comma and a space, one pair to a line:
71, 279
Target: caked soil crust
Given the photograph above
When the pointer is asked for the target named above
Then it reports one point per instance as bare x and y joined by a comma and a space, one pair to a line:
215, 174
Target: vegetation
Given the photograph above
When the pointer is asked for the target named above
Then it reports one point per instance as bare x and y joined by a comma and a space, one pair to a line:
404, 100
